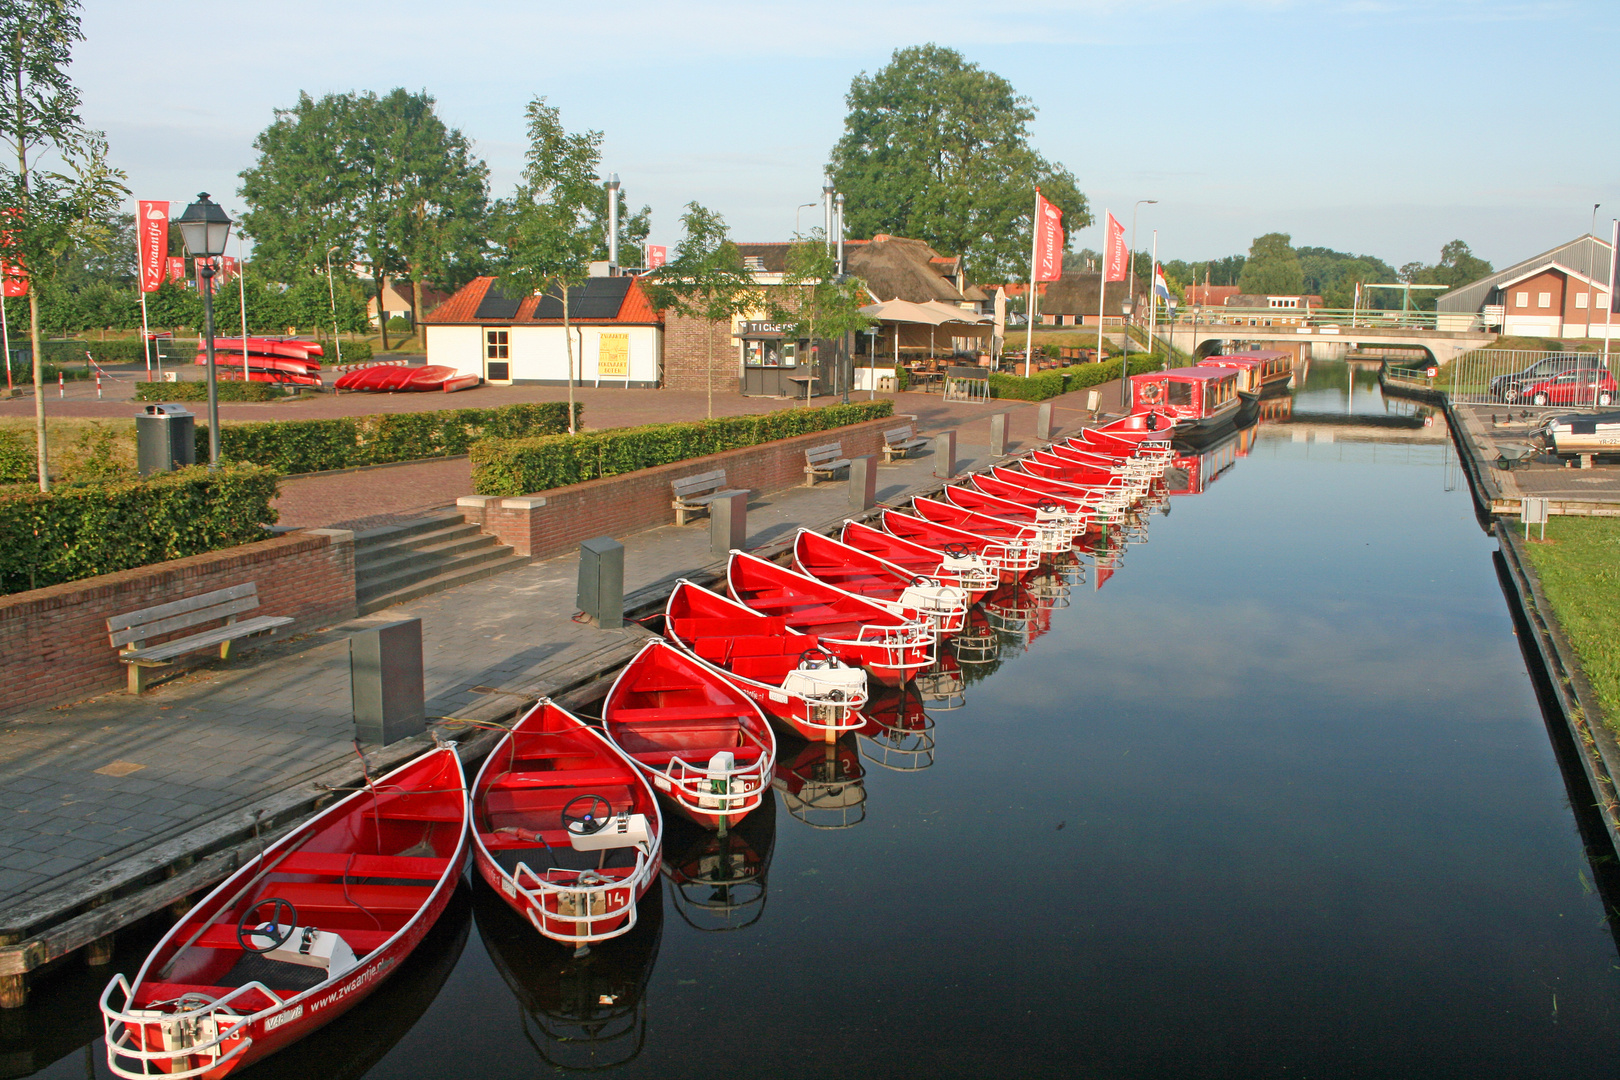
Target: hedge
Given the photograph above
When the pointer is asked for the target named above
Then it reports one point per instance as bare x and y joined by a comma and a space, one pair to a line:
78, 532
1049, 384
229, 390
304, 446
519, 466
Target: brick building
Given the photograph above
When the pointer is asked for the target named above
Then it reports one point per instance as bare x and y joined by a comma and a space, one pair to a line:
1561, 293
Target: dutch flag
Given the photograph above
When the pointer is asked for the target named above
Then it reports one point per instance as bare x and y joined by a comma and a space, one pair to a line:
1160, 289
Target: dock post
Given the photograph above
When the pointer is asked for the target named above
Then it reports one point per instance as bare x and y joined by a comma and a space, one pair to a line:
1043, 422
13, 991
863, 482
728, 522
945, 454
385, 675
998, 434
601, 581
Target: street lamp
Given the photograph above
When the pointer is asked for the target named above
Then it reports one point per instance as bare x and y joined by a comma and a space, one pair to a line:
1125, 306
205, 228
802, 208
1131, 258
331, 296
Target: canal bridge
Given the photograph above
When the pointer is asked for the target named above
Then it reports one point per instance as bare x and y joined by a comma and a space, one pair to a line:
1327, 333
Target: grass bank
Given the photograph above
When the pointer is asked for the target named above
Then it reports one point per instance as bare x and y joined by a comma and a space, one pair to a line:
1579, 567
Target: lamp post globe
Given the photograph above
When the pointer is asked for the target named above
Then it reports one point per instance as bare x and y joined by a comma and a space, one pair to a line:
205, 228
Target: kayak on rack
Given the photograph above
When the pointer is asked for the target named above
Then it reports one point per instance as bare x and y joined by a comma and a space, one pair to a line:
862, 573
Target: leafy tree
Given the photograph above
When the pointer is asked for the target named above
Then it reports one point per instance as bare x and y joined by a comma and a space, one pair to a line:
817, 303
55, 211
546, 230
1272, 268
1334, 275
1457, 267
938, 149
705, 280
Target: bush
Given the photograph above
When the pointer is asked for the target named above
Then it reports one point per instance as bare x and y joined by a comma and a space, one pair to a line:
229, 390
17, 453
78, 532
354, 352
519, 466
304, 446
1049, 384
400, 323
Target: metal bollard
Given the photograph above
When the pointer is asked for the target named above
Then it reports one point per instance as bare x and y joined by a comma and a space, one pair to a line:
945, 454
728, 522
1043, 422
385, 673
998, 434
863, 482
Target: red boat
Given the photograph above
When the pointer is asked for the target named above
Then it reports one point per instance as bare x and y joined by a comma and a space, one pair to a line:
1198, 397
861, 573
271, 369
1075, 505
859, 631
702, 743
246, 971
564, 828
1009, 557
392, 378
1118, 484
1055, 527
1122, 447
805, 688
1149, 424
952, 563
995, 528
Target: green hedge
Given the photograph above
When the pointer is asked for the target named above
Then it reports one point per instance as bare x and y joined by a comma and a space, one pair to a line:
229, 390
354, 352
78, 532
519, 466
1049, 384
304, 446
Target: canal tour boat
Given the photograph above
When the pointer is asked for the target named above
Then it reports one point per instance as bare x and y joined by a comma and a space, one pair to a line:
1037, 539
857, 630
1200, 398
565, 828
804, 688
701, 742
1057, 526
861, 573
246, 971
951, 563
1260, 372
1011, 557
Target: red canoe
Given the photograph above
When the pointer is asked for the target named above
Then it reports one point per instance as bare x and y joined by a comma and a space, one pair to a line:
1055, 527
702, 743
1154, 447
859, 631
952, 562
1121, 485
246, 971
799, 684
291, 348
994, 527
398, 377
861, 573
1010, 558
565, 830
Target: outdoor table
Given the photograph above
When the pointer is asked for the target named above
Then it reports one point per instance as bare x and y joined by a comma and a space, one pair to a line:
807, 380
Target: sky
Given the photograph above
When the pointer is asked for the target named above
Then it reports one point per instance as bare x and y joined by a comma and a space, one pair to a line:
1380, 127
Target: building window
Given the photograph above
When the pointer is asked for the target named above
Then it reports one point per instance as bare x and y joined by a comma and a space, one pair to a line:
1580, 300
1521, 299
1285, 301
495, 345
1544, 300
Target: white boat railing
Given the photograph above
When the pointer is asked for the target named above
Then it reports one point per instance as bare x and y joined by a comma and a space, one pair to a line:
897, 641
586, 895
710, 790
188, 1033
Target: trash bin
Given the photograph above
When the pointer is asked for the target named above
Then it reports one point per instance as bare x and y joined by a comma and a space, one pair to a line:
165, 439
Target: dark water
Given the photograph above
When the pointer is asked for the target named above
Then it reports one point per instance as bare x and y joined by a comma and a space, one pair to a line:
1276, 801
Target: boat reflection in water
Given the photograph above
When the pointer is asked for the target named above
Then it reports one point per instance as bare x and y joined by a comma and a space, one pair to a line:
821, 784
719, 881
581, 1013
942, 685
899, 734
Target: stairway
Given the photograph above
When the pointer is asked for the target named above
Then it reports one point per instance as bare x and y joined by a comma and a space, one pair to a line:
396, 563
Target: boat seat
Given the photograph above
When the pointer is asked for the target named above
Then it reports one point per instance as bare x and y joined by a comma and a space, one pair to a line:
689, 729
550, 800
697, 758
553, 778
768, 669
639, 717
222, 935
425, 813
562, 857
317, 896
358, 866
651, 684
741, 624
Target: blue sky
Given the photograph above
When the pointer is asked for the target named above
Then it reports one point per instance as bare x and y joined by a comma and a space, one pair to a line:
1385, 127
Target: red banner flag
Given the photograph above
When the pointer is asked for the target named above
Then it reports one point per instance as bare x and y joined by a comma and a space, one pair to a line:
1114, 251
197, 264
177, 268
13, 278
657, 255
152, 240
229, 270
1048, 239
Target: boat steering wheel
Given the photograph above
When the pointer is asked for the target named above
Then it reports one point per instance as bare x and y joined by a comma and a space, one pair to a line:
815, 658
1049, 508
1152, 421
956, 549
244, 931
923, 581
587, 823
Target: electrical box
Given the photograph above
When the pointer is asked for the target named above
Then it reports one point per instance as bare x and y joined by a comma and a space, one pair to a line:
165, 439
385, 671
601, 581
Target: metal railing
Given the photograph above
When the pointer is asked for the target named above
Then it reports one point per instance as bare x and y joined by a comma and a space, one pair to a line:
1344, 319
1525, 377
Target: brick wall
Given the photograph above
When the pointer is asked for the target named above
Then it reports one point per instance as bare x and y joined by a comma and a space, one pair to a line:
53, 642
555, 521
686, 354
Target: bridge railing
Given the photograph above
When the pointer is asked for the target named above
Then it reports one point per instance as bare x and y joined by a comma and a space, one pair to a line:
1501, 377
1343, 318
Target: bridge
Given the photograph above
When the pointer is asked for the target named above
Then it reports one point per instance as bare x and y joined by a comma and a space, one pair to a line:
1326, 333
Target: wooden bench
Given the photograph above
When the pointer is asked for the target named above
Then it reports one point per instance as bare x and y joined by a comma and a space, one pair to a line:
130, 632
900, 441
826, 461
693, 493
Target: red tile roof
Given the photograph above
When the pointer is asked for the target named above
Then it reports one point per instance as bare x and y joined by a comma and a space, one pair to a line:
460, 307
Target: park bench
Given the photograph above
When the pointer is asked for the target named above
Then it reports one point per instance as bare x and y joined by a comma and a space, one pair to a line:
130, 632
694, 493
828, 461
901, 441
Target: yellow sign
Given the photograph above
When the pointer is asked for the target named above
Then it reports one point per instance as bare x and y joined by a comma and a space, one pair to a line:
613, 356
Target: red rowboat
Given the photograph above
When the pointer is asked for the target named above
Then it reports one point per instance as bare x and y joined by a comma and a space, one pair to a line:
702, 743
1122, 446
996, 528
1055, 528
1075, 506
1143, 425
806, 689
1117, 483
247, 972
397, 377
861, 573
564, 828
951, 563
859, 631
1009, 557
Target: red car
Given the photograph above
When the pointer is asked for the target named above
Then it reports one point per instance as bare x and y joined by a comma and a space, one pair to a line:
1589, 387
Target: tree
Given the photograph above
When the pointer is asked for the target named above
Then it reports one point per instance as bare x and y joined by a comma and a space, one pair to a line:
938, 149
1457, 267
1334, 275
546, 230
54, 211
706, 279
1272, 268
817, 302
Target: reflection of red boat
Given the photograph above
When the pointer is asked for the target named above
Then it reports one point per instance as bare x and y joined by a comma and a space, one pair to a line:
951, 563
700, 741
823, 784
720, 880
860, 631
389, 378
899, 734
246, 972
861, 573
1008, 557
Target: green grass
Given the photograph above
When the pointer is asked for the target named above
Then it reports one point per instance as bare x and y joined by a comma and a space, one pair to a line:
1579, 566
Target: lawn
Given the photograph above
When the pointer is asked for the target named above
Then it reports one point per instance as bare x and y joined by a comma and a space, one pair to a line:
1579, 566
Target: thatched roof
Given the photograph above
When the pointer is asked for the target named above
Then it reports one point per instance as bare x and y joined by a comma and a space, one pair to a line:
1075, 293
893, 267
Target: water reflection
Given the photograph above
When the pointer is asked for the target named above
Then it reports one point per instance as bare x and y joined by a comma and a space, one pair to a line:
821, 784
942, 685
718, 882
899, 733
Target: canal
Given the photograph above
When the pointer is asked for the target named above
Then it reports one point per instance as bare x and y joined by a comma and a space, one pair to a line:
1277, 799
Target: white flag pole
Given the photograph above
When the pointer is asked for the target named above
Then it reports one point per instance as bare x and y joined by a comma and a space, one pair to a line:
1029, 308
5, 333
241, 294
1153, 297
1102, 286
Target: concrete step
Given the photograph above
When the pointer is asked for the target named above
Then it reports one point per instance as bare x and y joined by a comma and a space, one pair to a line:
373, 586
435, 546
384, 535
461, 575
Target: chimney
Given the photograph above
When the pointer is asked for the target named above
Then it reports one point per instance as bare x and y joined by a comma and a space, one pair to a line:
613, 222
827, 212
840, 233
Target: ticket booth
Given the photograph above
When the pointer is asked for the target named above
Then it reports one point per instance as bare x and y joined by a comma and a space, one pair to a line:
773, 365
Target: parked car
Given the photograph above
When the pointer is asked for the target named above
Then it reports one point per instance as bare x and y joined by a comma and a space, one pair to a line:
1512, 387
1582, 387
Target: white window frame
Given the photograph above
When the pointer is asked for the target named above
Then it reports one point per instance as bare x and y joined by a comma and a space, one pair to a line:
1521, 299
1543, 300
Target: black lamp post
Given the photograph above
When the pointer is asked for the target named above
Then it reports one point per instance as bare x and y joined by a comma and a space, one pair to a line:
1125, 363
205, 228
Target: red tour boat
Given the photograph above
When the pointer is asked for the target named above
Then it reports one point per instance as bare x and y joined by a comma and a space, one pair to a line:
806, 689
1263, 371
952, 563
301, 934
1009, 557
565, 830
1198, 397
861, 573
702, 743
860, 631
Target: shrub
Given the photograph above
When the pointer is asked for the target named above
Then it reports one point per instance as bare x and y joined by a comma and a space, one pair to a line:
229, 390
78, 532
354, 352
1049, 384
518, 466
17, 455
400, 323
